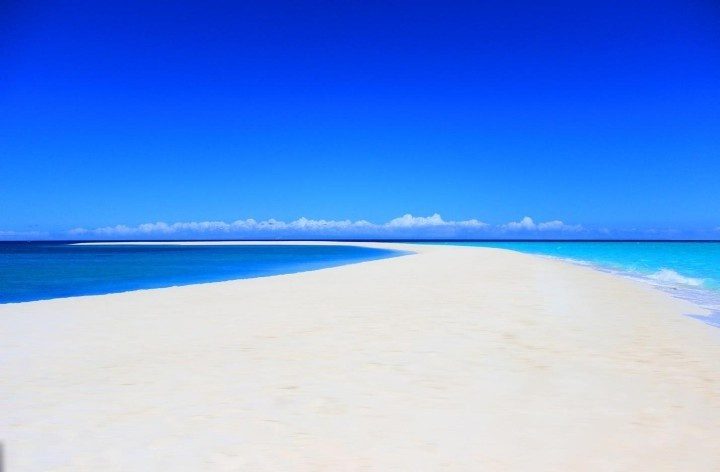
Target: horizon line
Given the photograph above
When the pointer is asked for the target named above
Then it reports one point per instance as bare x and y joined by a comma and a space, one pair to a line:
379, 240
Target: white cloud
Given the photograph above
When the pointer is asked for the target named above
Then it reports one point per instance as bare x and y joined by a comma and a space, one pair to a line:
557, 225
409, 221
527, 224
5, 234
299, 226
406, 225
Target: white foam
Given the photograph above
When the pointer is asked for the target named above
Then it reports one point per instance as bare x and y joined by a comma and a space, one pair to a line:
669, 281
669, 276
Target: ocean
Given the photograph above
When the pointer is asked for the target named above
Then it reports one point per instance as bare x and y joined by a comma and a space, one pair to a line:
688, 270
44, 270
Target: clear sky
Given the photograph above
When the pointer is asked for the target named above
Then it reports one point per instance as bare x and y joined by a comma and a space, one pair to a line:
602, 115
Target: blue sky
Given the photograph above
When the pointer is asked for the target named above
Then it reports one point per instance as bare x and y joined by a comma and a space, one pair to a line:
591, 119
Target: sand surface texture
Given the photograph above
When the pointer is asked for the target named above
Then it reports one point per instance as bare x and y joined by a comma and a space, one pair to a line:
452, 358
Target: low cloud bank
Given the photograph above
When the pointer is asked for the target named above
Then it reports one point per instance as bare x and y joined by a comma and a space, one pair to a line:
403, 226
527, 224
18, 235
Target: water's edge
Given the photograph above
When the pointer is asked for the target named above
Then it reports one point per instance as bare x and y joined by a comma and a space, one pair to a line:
704, 298
34, 275
666, 279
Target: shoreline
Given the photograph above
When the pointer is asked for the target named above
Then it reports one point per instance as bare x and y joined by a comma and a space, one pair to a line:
190, 268
706, 299
449, 358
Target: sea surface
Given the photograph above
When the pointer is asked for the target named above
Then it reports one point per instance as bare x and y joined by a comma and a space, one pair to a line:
40, 270
688, 270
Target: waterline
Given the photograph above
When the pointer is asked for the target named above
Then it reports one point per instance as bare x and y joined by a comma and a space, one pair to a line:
686, 270
42, 270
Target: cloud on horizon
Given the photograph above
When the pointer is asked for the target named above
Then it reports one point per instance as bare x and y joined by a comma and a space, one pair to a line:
403, 226
527, 224
407, 226
22, 234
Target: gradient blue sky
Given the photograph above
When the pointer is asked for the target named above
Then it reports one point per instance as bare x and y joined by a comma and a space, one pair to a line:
603, 114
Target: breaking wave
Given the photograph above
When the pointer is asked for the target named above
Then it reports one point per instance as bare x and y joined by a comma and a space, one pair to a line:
669, 276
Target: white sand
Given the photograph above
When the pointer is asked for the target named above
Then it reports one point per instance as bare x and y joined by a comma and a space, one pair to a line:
450, 359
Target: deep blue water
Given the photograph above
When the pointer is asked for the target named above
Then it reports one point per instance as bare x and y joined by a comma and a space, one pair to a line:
689, 270
39, 270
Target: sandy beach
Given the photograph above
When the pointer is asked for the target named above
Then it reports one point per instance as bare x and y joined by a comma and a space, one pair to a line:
451, 358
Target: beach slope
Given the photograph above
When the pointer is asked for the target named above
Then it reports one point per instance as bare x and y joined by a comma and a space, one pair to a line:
451, 358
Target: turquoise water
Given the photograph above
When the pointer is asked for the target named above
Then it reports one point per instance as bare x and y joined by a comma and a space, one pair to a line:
689, 270
39, 270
